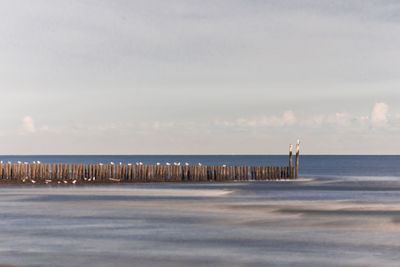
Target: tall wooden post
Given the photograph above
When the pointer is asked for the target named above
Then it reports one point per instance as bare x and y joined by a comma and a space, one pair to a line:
290, 161
297, 158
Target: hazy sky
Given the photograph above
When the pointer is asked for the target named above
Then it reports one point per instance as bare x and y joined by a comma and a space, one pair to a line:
199, 77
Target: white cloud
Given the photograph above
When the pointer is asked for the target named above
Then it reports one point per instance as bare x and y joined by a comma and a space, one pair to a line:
343, 119
288, 118
339, 120
157, 125
379, 115
28, 125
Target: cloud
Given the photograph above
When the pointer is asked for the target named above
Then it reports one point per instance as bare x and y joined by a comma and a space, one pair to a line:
343, 119
379, 115
288, 118
28, 125
339, 120
157, 125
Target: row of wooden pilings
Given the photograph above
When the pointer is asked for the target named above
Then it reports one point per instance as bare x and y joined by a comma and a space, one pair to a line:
142, 173
147, 173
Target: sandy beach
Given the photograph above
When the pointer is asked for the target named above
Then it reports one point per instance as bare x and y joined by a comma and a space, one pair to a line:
310, 222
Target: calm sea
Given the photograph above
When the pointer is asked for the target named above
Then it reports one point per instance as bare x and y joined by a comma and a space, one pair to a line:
310, 165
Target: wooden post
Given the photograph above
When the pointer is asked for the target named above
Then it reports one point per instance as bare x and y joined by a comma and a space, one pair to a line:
297, 158
290, 160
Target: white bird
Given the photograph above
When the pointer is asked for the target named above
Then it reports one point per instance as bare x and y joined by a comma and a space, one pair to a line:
129, 164
74, 181
158, 163
38, 162
187, 164
1, 162
179, 164
65, 182
224, 165
26, 162
112, 163
120, 163
34, 162
101, 164
200, 164
167, 164
19, 162
140, 163
33, 181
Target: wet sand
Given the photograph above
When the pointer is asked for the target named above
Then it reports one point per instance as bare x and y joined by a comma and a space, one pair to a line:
311, 222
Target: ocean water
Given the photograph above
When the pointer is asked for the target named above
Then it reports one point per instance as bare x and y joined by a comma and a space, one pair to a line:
347, 216
322, 166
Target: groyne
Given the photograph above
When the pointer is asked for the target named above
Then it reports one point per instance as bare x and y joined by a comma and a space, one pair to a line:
78, 173
38, 172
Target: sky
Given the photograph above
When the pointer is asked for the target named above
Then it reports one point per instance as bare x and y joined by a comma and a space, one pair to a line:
199, 77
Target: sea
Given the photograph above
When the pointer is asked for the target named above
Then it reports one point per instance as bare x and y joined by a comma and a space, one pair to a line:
347, 214
321, 166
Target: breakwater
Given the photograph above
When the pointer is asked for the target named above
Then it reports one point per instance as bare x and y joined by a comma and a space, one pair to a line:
37, 172
81, 173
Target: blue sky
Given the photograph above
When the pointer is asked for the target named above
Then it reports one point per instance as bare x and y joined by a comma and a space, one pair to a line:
199, 77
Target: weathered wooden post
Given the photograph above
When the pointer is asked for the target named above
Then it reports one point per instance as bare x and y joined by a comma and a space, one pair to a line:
297, 158
290, 161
